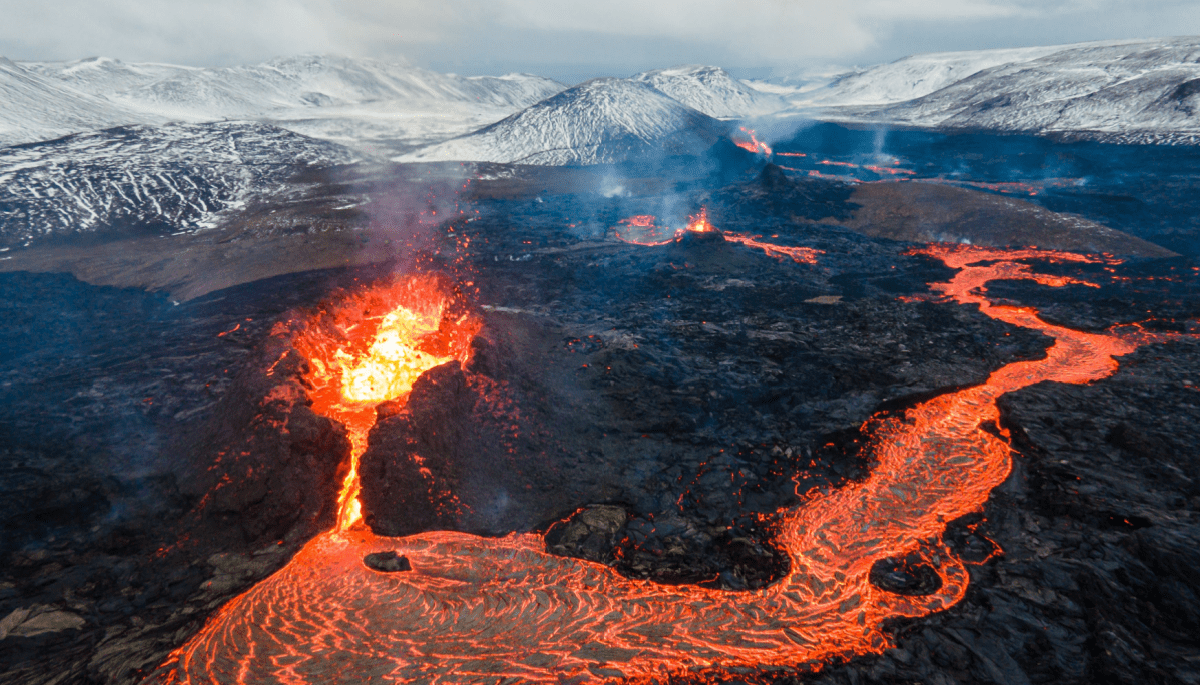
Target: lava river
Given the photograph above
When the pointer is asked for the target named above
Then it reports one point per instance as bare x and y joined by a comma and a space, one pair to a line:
498, 610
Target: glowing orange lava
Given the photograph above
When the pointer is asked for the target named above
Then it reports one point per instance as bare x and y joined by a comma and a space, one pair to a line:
698, 223
754, 144
370, 348
800, 255
881, 170
643, 230
502, 609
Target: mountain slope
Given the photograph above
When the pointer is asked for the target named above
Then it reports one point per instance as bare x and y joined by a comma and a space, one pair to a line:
711, 90
1126, 91
349, 100
305, 82
146, 179
37, 108
600, 121
103, 76
915, 76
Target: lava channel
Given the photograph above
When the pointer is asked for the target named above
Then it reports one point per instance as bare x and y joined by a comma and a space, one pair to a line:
497, 610
643, 229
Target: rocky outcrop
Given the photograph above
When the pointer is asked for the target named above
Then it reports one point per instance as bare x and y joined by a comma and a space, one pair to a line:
504, 443
271, 468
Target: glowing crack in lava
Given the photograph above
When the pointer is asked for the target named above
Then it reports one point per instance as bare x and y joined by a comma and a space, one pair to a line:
643, 229
503, 610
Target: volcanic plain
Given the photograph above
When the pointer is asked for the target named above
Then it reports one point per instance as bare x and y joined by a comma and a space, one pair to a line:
633, 395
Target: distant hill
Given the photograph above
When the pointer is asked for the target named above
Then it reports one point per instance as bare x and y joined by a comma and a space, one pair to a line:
597, 122
711, 90
40, 108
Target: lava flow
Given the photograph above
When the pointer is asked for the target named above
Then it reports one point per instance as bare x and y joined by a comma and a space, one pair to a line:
643, 229
475, 609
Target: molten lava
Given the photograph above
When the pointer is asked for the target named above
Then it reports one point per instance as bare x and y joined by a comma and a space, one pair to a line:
502, 609
698, 223
800, 255
643, 230
371, 348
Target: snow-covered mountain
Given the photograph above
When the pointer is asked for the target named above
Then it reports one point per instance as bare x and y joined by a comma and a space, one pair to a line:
103, 76
39, 108
150, 179
349, 100
1129, 91
601, 121
286, 83
713, 91
913, 76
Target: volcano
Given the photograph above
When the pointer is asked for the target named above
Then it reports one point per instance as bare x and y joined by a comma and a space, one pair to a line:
637, 395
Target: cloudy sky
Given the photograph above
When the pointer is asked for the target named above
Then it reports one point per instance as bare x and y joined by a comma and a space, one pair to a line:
568, 39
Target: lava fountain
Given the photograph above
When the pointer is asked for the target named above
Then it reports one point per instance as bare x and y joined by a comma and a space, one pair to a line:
497, 610
370, 348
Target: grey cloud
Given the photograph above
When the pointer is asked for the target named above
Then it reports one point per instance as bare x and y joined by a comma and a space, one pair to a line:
567, 40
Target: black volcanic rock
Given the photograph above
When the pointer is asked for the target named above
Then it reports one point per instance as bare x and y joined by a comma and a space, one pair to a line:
773, 194
271, 467
115, 407
774, 180
912, 575
926, 212
491, 452
398, 498
591, 533
387, 562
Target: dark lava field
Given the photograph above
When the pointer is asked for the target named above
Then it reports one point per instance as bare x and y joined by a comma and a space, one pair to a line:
651, 408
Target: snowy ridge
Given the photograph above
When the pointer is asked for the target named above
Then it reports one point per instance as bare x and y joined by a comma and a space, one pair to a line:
600, 121
711, 90
915, 76
151, 179
1120, 91
344, 98
102, 76
37, 108
289, 83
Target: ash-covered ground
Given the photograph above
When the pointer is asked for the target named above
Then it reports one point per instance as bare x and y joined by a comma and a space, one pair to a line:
647, 407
